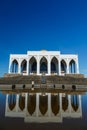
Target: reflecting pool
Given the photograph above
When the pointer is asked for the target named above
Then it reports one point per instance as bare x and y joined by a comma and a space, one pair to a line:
24, 110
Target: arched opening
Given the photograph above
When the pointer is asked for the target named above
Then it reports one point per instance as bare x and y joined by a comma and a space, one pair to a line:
75, 102
12, 101
63, 67
72, 67
43, 65
33, 66
55, 104
65, 102
14, 66
31, 104
43, 104
24, 66
54, 65
21, 102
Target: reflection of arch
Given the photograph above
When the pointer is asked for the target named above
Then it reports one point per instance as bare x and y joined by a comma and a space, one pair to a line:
14, 66
63, 67
31, 105
21, 102
55, 104
43, 104
12, 101
24, 66
33, 65
72, 66
43, 65
74, 102
65, 103
54, 65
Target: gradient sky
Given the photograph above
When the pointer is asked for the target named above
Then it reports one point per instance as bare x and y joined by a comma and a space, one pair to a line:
43, 24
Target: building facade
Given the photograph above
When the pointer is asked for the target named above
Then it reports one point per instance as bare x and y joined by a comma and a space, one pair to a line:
48, 62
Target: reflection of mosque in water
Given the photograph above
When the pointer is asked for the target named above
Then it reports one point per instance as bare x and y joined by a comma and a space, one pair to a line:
43, 108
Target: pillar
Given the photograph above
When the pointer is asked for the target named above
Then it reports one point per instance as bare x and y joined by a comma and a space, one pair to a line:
49, 66
59, 67
49, 104
67, 67
27, 67
17, 102
60, 101
38, 66
26, 100
77, 67
69, 100
9, 68
37, 104
6, 108
80, 105
19, 67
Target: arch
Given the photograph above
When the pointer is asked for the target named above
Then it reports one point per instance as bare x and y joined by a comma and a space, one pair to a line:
63, 67
14, 66
33, 65
31, 104
55, 104
24, 66
65, 102
21, 102
43, 104
12, 101
54, 65
75, 102
72, 66
43, 65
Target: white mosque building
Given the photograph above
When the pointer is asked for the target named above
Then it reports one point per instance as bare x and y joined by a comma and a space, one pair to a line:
48, 62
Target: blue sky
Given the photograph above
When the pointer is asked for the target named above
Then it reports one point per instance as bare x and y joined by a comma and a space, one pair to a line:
43, 24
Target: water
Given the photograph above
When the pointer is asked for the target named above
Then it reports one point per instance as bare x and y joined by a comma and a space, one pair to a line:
24, 111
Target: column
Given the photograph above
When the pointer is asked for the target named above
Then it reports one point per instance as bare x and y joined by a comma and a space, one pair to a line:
80, 104
6, 108
26, 100
77, 67
60, 101
69, 100
17, 102
67, 67
59, 67
37, 104
9, 68
49, 104
49, 65
27, 67
9, 71
19, 67
38, 66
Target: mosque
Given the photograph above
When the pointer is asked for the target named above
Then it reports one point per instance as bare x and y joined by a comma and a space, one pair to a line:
38, 98
48, 62
47, 69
